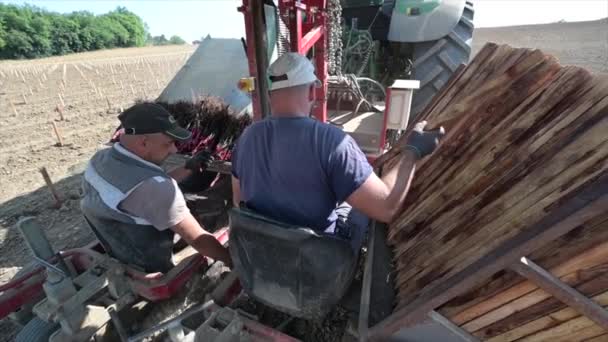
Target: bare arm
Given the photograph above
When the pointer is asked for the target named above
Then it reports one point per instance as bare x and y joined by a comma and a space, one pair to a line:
201, 240
236, 192
381, 199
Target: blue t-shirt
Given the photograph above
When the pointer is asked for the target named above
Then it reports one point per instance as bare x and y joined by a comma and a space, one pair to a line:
297, 170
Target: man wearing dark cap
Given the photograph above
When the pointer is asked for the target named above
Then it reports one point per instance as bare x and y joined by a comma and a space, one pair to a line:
134, 206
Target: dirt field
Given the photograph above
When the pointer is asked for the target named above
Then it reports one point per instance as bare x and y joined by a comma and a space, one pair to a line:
93, 88
583, 44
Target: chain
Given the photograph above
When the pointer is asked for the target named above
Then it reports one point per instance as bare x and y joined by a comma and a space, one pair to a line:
368, 54
334, 23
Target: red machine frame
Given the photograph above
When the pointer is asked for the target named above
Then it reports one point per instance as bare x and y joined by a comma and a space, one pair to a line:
151, 286
307, 23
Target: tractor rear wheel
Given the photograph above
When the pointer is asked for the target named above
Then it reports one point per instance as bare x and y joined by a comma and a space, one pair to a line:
434, 62
36, 330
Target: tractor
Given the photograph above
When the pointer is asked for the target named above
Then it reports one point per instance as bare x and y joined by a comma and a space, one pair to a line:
376, 60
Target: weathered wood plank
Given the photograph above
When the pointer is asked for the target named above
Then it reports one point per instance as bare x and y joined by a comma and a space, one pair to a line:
527, 307
537, 114
550, 308
569, 271
577, 329
561, 256
524, 136
457, 184
586, 204
543, 323
599, 338
562, 291
520, 194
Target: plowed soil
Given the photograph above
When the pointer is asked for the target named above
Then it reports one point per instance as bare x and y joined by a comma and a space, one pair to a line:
91, 88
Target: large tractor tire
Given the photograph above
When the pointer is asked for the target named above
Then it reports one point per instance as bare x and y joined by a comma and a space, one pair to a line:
36, 330
435, 61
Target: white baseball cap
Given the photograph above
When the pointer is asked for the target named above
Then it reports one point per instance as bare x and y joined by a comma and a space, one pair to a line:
290, 70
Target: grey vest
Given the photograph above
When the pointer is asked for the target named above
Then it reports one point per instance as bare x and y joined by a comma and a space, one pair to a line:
108, 179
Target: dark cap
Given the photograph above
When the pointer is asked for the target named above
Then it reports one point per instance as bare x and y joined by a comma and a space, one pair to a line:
148, 118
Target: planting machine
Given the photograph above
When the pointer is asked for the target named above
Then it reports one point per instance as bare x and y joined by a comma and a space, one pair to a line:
378, 52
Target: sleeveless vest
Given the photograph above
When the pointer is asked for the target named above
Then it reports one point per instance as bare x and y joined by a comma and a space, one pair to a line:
109, 178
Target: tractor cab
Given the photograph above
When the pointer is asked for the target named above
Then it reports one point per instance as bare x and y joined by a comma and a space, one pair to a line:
290, 268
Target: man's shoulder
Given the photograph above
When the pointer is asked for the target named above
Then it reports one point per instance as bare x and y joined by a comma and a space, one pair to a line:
159, 185
328, 133
331, 136
332, 130
252, 129
157, 190
102, 151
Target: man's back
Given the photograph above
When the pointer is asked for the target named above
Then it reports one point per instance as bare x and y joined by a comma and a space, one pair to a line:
297, 170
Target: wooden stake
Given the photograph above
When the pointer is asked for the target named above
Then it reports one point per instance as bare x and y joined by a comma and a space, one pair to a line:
157, 84
13, 107
109, 104
59, 109
65, 69
24, 99
59, 140
51, 186
80, 72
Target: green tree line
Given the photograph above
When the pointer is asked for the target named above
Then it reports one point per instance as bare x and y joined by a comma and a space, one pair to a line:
31, 32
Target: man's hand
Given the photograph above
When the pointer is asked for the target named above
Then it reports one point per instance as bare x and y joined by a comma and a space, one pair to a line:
199, 162
424, 142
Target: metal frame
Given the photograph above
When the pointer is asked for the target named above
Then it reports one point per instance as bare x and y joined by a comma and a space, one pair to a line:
307, 23
367, 282
588, 203
562, 291
154, 287
455, 329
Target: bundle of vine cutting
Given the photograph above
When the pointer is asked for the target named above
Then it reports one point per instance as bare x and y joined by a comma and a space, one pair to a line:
214, 125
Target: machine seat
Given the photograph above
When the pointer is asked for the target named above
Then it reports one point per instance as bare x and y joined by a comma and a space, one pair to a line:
292, 269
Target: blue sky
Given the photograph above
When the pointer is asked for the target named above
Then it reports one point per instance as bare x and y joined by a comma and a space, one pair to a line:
188, 19
192, 19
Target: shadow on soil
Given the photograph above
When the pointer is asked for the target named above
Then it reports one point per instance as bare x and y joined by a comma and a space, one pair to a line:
63, 226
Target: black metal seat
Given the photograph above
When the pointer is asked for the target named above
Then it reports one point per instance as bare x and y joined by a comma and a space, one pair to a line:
292, 269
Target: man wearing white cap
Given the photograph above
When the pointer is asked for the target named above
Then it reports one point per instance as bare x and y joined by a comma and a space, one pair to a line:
298, 170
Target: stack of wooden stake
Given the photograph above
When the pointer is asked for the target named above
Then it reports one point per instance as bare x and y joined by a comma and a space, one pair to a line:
524, 134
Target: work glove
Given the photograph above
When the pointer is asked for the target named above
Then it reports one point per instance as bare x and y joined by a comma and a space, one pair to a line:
423, 142
200, 161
